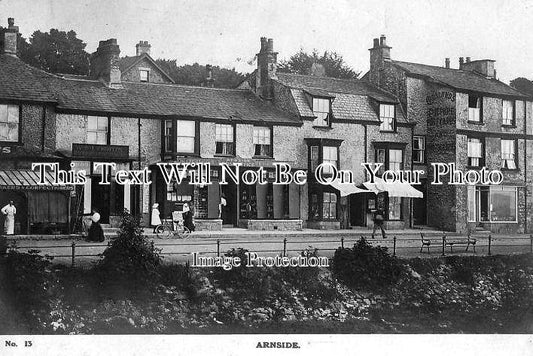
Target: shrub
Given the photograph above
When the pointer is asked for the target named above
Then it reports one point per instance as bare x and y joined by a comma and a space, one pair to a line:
130, 261
365, 266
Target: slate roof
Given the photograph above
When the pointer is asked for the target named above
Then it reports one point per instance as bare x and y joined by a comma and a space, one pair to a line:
459, 79
22, 82
19, 81
352, 99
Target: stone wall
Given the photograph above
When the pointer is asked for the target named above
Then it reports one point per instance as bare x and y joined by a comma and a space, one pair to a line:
133, 74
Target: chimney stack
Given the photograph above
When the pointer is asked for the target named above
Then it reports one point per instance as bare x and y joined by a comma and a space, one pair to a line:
10, 38
104, 63
485, 67
379, 55
210, 81
467, 59
267, 62
142, 47
461, 62
447, 63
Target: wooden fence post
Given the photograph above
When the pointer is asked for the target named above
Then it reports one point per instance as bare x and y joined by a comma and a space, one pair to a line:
342, 242
218, 248
490, 243
394, 245
444, 244
73, 246
284, 247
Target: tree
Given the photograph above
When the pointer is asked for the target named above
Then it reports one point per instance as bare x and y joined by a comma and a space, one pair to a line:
56, 52
523, 85
332, 63
195, 74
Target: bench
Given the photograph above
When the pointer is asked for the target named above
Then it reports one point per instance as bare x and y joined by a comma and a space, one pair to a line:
469, 240
425, 242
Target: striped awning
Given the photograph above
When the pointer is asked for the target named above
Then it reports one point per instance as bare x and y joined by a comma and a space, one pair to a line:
20, 179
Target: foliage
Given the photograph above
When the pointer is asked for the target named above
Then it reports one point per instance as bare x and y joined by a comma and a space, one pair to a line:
196, 74
332, 62
56, 52
130, 261
524, 85
365, 266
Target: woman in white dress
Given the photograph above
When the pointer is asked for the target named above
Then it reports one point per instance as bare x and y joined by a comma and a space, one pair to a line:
156, 219
9, 211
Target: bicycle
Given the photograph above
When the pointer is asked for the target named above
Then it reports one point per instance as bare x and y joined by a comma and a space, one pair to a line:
174, 229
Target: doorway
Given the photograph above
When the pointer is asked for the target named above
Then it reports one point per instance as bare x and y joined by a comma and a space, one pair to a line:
420, 205
229, 212
100, 199
357, 209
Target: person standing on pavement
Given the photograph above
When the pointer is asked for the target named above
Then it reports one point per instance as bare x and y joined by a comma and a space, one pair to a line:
9, 211
155, 220
96, 233
187, 217
379, 217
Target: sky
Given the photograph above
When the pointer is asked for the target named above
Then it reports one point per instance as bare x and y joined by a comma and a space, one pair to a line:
227, 33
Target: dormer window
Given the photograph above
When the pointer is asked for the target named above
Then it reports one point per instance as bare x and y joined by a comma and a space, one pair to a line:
144, 75
321, 109
387, 117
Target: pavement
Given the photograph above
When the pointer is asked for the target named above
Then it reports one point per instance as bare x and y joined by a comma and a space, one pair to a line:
404, 243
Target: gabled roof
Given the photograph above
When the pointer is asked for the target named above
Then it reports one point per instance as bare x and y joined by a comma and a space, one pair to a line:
334, 85
126, 63
459, 79
19, 81
352, 99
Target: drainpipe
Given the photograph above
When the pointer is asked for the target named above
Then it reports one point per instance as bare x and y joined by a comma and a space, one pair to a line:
525, 167
139, 158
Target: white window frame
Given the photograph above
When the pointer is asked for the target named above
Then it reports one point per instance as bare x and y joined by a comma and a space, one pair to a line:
185, 136
474, 113
474, 193
330, 154
321, 109
387, 117
472, 153
397, 164
508, 112
329, 203
224, 133
100, 129
262, 136
10, 122
508, 154
144, 70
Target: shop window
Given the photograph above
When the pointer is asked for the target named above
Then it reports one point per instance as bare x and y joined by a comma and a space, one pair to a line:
262, 141
9, 123
395, 208
387, 117
475, 152
224, 140
97, 130
492, 204
329, 206
185, 136
419, 149
508, 153
321, 109
474, 108
168, 135
508, 115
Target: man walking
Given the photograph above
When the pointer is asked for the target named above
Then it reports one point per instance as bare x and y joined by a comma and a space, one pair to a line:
378, 222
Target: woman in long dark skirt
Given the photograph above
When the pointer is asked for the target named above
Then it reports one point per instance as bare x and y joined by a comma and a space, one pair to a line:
187, 217
96, 233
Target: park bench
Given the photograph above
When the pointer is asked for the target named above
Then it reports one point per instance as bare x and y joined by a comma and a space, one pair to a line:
458, 241
425, 242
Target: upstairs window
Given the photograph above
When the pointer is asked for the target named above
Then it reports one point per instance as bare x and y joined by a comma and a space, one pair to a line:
168, 135
508, 154
475, 152
329, 155
144, 75
262, 141
97, 130
508, 113
321, 108
395, 160
392, 159
387, 117
314, 159
419, 149
224, 140
186, 136
474, 108
9, 123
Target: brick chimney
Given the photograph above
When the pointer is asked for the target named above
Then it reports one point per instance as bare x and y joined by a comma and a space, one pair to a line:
485, 67
461, 62
379, 55
209, 80
447, 63
142, 47
10, 38
104, 63
266, 68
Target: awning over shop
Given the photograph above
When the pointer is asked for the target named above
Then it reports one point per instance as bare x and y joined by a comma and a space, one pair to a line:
27, 180
397, 189
347, 188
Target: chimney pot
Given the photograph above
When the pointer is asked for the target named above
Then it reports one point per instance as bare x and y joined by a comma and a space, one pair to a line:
383, 41
210, 81
467, 59
447, 63
11, 21
263, 44
461, 62
142, 47
376, 42
270, 45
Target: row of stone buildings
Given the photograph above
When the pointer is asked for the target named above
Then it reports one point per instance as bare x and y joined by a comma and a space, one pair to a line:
129, 111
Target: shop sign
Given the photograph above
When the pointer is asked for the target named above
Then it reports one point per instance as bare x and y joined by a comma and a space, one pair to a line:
107, 152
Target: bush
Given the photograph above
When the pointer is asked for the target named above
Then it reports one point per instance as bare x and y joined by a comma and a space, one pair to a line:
365, 266
130, 261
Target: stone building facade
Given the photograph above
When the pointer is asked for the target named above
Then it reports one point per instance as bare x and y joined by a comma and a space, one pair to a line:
467, 117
